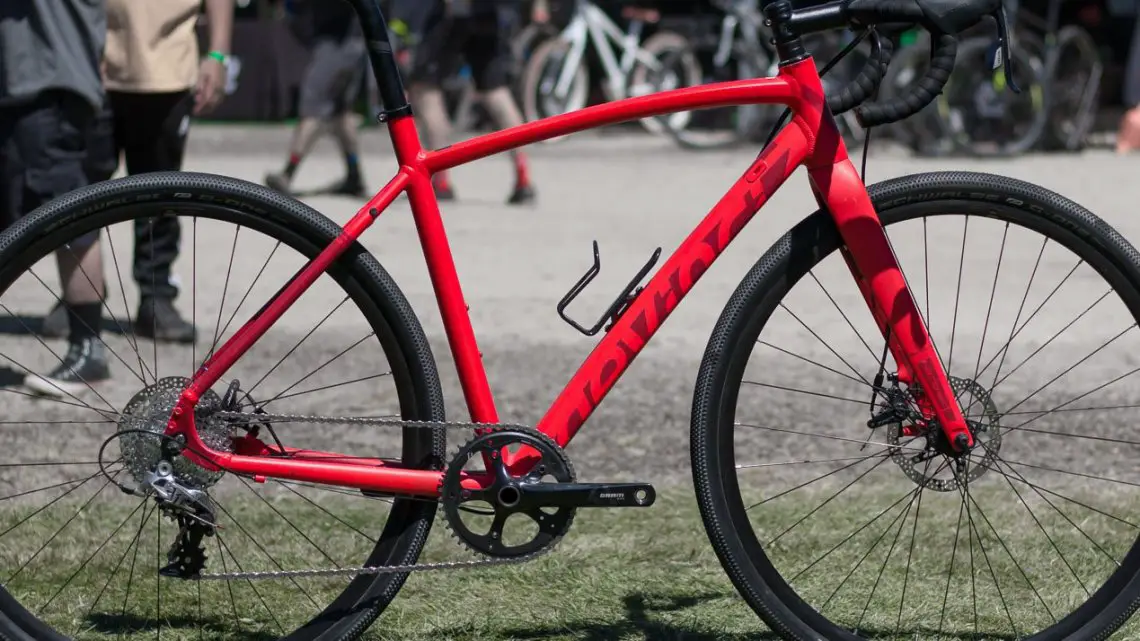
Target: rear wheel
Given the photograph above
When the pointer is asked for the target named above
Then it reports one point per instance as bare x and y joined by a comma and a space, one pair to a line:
831, 529
79, 557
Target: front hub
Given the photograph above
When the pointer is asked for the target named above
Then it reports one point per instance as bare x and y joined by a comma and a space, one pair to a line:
925, 455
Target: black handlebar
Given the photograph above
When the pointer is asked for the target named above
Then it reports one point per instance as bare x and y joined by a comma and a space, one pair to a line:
944, 19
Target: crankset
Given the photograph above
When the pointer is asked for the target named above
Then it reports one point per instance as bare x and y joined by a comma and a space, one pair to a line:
525, 514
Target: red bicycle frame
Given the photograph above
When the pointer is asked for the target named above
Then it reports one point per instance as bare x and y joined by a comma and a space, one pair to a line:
811, 139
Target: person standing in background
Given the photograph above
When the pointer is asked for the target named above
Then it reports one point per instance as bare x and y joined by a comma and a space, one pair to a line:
156, 80
332, 83
478, 31
50, 91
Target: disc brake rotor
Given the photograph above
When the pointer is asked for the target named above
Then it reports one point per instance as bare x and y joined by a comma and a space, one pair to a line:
930, 468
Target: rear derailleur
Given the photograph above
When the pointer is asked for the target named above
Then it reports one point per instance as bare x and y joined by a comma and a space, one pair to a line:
543, 499
192, 510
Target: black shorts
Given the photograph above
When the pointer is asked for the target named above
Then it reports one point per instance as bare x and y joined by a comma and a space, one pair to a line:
148, 129
333, 78
482, 40
43, 147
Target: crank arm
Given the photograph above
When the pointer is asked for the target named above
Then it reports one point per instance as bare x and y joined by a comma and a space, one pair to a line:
586, 494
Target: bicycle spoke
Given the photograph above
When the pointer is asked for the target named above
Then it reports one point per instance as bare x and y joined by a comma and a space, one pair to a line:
811, 362
297, 346
223, 546
92, 556
225, 289
281, 397
843, 314
1051, 339
824, 343
957, 295
1003, 348
61, 529
1046, 533
886, 559
134, 339
58, 358
990, 305
950, 572
910, 551
1073, 366
322, 509
909, 494
828, 500
964, 490
263, 404
115, 571
1012, 558
803, 391
292, 525
269, 556
153, 316
900, 447
1039, 490
249, 290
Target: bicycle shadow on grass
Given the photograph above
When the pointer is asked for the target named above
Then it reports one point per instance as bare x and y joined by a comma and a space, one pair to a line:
637, 624
121, 624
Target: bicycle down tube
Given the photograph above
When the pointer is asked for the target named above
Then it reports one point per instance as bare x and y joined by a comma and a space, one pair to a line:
812, 139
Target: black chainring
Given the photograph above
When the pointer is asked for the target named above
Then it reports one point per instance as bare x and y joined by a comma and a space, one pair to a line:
552, 522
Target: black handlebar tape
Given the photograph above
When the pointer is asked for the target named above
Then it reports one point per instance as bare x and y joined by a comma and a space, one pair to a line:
873, 12
865, 84
943, 50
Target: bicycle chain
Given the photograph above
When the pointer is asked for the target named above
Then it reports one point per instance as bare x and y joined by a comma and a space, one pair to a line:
366, 570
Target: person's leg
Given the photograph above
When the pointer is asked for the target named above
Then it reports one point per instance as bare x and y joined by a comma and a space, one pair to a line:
315, 109
345, 123
1128, 133
153, 129
437, 55
101, 163
490, 56
51, 143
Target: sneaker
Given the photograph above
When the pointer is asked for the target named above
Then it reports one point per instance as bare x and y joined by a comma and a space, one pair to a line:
522, 195
350, 186
159, 320
85, 363
279, 182
55, 324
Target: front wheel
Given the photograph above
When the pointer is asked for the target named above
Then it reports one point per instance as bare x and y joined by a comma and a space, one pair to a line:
83, 532
831, 501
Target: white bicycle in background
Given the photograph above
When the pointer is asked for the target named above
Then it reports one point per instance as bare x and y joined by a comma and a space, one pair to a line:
557, 75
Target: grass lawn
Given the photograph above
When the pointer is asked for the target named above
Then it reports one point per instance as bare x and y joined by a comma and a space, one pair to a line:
620, 574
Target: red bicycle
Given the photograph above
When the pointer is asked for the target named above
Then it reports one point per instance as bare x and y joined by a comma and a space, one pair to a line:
825, 560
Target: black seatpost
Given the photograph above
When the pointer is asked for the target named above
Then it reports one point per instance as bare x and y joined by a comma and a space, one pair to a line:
383, 60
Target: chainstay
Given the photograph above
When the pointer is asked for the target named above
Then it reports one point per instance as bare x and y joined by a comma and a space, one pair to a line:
367, 570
